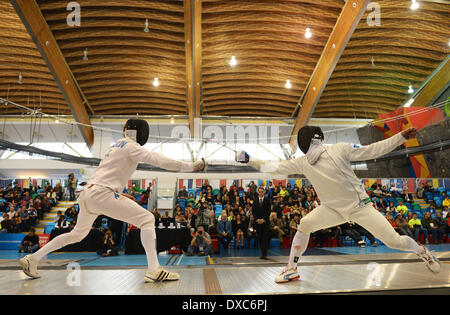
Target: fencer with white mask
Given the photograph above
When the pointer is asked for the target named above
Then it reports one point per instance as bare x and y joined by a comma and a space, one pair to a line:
102, 196
343, 196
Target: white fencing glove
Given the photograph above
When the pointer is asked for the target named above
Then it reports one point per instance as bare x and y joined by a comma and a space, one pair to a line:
200, 166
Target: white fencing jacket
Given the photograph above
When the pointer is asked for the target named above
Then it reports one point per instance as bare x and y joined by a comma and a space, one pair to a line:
122, 159
332, 176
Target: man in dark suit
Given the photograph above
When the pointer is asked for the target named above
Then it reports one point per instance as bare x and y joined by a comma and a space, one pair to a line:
261, 212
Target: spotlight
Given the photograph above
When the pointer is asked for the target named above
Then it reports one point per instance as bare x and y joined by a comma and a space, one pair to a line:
85, 57
172, 121
156, 81
308, 33
373, 62
410, 89
414, 5
288, 84
20, 78
146, 29
233, 61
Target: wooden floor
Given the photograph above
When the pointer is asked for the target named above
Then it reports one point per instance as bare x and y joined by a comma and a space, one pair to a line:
319, 274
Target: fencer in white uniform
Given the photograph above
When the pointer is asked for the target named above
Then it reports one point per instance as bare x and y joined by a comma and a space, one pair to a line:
102, 196
342, 195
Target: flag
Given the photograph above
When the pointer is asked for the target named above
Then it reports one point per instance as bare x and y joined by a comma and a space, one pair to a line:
435, 183
223, 182
180, 183
198, 182
298, 182
190, 183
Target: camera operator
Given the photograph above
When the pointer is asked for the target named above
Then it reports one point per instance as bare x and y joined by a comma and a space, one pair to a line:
203, 216
201, 243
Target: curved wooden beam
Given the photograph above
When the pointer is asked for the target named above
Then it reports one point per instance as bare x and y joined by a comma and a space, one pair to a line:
34, 22
340, 36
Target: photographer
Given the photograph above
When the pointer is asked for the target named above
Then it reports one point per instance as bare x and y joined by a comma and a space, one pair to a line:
201, 243
109, 247
30, 243
72, 186
203, 216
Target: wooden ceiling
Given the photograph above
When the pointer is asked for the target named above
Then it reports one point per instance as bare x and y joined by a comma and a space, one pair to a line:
266, 37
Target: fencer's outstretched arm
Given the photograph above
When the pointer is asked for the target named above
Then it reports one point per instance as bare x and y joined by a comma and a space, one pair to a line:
378, 149
276, 168
140, 154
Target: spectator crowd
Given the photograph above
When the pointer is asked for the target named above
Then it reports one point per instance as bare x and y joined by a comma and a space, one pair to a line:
227, 214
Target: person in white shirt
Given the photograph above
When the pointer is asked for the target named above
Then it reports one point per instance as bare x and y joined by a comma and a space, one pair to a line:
102, 196
342, 195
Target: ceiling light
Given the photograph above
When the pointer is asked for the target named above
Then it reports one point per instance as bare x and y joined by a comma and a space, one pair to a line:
20, 78
233, 61
410, 89
85, 57
373, 62
146, 29
409, 103
172, 121
414, 5
57, 121
288, 84
156, 81
308, 33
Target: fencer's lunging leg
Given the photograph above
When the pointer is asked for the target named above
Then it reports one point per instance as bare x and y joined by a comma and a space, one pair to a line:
374, 222
320, 218
81, 230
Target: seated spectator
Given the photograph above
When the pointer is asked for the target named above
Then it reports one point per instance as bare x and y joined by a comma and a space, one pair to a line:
420, 192
429, 224
59, 191
200, 244
401, 207
109, 247
203, 216
30, 243
191, 199
363, 232
395, 192
441, 224
276, 228
32, 214
62, 223
348, 229
200, 199
224, 230
446, 202
25, 223
402, 225
212, 229
445, 212
294, 224
71, 214
239, 227
416, 226
190, 221
7, 225
391, 208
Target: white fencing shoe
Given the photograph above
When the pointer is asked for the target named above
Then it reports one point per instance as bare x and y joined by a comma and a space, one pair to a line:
29, 266
161, 275
287, 274
430, 260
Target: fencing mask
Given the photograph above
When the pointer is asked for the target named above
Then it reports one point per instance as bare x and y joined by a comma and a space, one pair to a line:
138, 130
306, 134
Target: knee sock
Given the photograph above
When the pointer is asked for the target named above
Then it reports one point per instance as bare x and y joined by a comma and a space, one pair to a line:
299, 245
148, 239
411, 245
55, 244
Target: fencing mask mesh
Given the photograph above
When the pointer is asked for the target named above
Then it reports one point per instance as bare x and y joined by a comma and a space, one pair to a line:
306, 134
138, 130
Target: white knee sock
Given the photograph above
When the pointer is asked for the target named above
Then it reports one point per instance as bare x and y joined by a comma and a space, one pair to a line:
148, 239
299, 245
55, 244
411, 245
